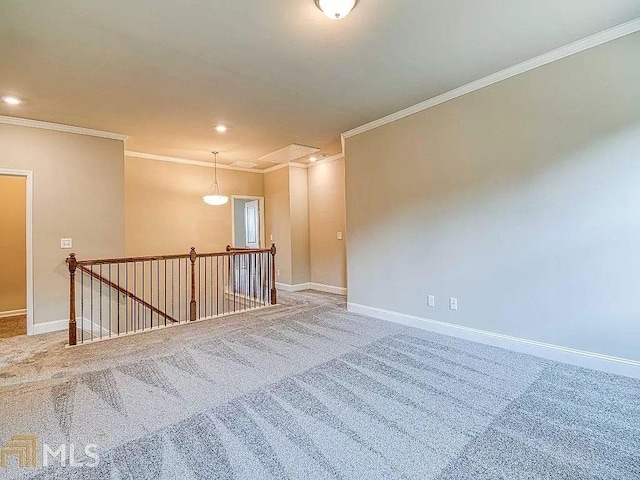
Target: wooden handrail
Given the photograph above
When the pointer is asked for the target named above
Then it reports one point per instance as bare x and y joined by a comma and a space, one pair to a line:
104, 261
125, 292
234, 252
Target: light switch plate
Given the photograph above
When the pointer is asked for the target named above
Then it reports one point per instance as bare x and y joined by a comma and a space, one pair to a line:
66, 243
339, 235
431, 301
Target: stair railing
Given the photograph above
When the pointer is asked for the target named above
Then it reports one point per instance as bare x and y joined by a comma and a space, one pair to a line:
119, 296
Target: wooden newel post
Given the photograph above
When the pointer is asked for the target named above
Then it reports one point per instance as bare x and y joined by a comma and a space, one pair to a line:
73, 332
228, 248
274, 296
194, 309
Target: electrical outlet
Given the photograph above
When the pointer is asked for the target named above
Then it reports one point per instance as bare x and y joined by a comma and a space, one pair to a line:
278, 272
66, 243
431, 301
339, 235
453, 303
271, 237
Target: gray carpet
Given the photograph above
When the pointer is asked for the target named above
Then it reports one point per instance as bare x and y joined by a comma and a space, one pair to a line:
307, 390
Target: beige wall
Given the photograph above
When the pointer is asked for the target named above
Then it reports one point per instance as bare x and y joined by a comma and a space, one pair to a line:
13, 238
278, 219
164, 211
327, 218
520, 199
78, 192
304, 211
299, 211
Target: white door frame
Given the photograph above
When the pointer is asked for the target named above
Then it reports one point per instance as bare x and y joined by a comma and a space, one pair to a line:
28, 174
233, 218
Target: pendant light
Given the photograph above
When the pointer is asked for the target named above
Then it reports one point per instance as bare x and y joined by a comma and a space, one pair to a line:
213, 196
336, 9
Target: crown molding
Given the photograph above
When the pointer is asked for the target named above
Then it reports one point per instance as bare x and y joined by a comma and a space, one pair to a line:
592, 41
199, 163
59, 127
186, 161
332, 158
283, 165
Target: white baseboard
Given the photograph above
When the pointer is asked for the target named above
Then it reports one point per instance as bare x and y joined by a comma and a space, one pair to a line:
48, 327
328, 288
60, 325
13, 313
293, 288
311, 286
581, 358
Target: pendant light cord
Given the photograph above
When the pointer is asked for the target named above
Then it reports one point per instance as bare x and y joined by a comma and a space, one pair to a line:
215, 167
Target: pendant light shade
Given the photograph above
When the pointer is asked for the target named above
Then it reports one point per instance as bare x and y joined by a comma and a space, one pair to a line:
213, 196
336, 9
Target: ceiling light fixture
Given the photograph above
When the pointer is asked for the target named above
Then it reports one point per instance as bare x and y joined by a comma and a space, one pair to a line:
336, 9
221, 128
313, 159
213, 196
11, 100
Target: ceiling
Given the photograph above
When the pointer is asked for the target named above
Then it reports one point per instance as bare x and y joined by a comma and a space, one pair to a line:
275, 72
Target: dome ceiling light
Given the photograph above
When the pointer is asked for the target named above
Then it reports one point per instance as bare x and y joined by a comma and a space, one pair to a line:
336, 9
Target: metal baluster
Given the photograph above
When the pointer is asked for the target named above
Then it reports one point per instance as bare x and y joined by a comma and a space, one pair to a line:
186, 287
144, 295
173, 262
91, 303
205, 285
126, 302
224, 283
217, 285
158, 290
151, 293
110, 312
247, 300
135, 292
100, 287
200, 287
118, 293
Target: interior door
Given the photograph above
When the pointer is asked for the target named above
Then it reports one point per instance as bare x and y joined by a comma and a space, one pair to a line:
252, 224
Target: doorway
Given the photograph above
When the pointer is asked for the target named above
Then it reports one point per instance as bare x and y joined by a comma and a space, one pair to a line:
15, 209
247, 220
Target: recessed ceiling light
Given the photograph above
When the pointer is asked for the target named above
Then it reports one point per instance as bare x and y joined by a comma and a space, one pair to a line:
313, 159
221, 128
11, 100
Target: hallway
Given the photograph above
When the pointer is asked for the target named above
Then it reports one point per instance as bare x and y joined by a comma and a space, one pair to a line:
13, 326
